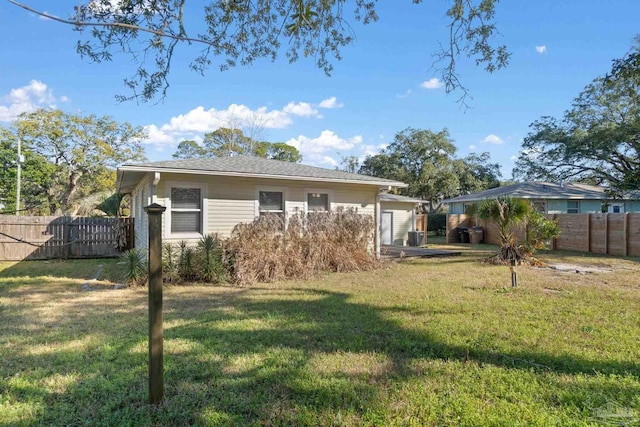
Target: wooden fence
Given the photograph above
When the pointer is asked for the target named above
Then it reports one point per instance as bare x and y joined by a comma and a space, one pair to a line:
600, 233
421, 222
48, 237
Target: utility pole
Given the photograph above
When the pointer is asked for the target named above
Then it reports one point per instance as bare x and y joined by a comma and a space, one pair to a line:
19, 171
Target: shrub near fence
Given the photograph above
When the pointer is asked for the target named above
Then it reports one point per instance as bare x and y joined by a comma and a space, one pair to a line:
600, 233
49, 237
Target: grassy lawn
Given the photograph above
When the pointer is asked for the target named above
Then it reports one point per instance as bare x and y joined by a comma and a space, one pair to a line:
419, 343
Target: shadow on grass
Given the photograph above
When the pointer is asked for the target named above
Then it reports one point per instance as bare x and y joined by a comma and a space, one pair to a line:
256, 356
28, 272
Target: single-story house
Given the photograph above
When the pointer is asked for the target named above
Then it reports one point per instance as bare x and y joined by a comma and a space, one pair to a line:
552, 198
213, 195
397, 218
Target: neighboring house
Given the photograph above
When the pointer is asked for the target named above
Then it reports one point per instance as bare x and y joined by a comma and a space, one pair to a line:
552, 198
397, 218
213, 195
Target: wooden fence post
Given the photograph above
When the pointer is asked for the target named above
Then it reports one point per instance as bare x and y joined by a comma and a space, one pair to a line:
554, 242
625, 234
606, 233
66, 239
156, 381
589, 232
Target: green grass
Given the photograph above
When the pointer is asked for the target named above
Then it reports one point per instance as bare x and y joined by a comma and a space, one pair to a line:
419, 343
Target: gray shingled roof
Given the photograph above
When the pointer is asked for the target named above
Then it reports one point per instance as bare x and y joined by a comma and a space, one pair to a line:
255, 166
537, 190
398, 198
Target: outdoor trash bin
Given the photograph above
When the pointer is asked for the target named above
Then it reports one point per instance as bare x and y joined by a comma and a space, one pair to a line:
464, 234
476, 235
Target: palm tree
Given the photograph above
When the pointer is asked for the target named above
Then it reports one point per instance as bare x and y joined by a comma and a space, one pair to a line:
506, 213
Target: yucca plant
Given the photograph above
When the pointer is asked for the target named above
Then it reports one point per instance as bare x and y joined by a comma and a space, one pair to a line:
187, 262
135, 267
170, 263
211, 253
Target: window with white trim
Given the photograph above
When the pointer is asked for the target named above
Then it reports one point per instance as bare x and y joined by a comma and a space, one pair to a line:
540, 206
271, 202
616, 208
573, 206
186, 210
317, 202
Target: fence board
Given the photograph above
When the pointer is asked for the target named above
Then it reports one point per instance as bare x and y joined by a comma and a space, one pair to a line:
47, 237
601, 233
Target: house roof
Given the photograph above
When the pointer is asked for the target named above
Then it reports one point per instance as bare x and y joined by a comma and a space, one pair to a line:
386, 197
539, 190
130, 174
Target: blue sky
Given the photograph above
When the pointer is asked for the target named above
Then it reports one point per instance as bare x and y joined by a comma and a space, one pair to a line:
382, 85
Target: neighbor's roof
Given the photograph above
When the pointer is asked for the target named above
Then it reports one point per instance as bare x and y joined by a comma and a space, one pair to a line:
386, 197
538, 190
247, 167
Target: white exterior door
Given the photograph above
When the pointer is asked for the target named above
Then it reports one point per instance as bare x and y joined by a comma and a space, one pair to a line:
386, 228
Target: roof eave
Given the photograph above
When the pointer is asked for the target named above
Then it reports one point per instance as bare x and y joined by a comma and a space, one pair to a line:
381, 183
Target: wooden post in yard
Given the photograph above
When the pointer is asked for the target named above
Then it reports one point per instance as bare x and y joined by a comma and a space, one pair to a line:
156, 382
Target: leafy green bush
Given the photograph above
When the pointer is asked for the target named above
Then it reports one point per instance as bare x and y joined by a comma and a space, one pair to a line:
135, 267
437, 223
540, 230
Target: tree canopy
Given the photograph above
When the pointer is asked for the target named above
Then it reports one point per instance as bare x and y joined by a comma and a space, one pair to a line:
597, 140
225, 142
68, 157
228, 33
426, 161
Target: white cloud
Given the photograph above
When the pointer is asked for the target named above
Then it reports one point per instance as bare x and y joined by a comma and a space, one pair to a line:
326, 160
158, 136
513, 158
64, 98
330, 103
26, 99
472, 147
194, 123
199, 121
328, 140
433, 83
302, 109
493, 139
405, 94
541, 49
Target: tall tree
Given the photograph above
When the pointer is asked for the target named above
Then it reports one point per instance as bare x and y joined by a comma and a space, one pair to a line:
597, 140
421, 158
426, 161
477, 173
83, 149
282, 151
224, 142
189, 149
238, 32
349, 164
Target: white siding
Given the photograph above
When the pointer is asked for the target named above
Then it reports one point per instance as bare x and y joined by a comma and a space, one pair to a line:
402, 220
233, 200
140, 199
